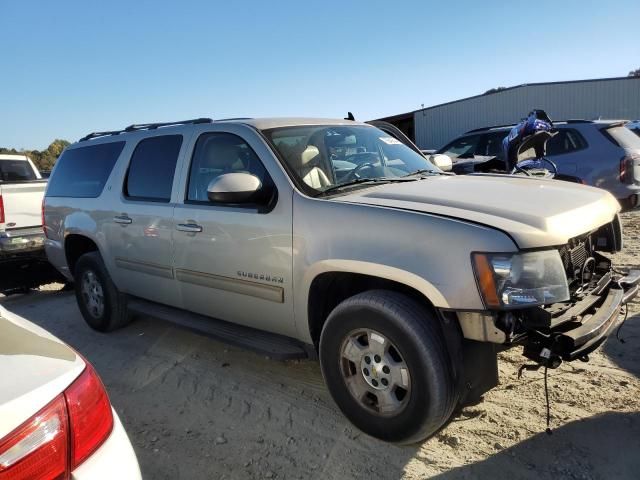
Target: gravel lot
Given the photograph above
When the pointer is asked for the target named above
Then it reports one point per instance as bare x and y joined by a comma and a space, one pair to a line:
195, 408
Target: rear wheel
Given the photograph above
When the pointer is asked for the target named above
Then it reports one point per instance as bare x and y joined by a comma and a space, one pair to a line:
103, 307
385, 361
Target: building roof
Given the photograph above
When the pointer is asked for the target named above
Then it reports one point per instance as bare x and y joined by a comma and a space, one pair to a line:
408, 114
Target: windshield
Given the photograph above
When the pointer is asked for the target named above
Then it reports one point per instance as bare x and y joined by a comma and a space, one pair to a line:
322, 157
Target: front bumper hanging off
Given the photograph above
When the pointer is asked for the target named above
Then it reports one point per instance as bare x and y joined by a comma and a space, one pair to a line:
585, 326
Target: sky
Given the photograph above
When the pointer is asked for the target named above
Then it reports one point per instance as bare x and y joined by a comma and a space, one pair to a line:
70, 67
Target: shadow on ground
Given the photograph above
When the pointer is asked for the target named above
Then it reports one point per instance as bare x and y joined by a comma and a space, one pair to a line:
626, 355
195, 408
606, 446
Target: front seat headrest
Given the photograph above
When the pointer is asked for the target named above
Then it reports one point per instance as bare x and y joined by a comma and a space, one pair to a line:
309, 154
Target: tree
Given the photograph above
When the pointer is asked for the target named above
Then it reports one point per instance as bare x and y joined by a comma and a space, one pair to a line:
44, 160
494, 90
635, 73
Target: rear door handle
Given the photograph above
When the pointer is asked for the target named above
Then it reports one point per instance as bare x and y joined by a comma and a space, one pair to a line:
122, 219
189, 227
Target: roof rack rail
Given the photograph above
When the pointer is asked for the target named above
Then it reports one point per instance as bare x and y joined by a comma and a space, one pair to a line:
574, 120
571, 120
232, 118
153, 126
489, 128
145, 126
99, 134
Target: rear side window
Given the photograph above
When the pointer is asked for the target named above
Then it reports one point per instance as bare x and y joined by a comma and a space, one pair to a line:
82, 172
16, 171
490, 145
567, 140
152, 167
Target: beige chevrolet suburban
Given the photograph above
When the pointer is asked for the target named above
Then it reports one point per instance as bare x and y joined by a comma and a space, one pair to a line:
302, 236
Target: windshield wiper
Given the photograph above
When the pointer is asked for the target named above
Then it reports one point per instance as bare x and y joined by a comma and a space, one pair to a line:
423, 171
357, 181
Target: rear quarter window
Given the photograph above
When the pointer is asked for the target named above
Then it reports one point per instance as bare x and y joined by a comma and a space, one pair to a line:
621, 136
82, 172
566, 140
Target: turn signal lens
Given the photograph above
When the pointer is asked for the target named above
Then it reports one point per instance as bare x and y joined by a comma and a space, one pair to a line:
486, 281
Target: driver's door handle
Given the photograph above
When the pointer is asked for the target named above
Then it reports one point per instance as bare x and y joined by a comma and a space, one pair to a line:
189, 227
122, 219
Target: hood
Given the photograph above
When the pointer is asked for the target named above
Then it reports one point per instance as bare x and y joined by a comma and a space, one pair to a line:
534, 213
35, 367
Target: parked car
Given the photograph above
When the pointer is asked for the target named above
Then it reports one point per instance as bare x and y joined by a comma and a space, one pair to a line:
333, 237
634, 127
21, 193
23, 263
601, 153
56, 421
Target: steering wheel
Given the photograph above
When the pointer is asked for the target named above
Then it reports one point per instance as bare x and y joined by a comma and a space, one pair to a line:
353, 174
536, 172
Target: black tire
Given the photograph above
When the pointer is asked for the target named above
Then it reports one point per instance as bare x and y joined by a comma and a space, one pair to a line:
627, 204
415, 332
114, 313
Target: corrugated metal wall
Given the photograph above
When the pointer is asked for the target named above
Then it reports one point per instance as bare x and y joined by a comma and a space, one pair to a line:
613, 98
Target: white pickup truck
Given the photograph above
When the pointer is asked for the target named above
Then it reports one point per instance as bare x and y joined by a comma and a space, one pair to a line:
21, 192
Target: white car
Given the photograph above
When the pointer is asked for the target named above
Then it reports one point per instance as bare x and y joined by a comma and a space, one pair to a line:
56, 421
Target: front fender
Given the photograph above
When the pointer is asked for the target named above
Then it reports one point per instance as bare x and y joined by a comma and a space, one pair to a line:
428, 253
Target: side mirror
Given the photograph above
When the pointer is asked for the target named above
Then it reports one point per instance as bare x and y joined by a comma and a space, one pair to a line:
234, 188
442, 161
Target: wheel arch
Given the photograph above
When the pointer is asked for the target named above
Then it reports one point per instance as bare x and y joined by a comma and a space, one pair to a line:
332, 282
76, 245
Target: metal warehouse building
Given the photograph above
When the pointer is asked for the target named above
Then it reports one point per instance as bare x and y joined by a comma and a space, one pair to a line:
610, 98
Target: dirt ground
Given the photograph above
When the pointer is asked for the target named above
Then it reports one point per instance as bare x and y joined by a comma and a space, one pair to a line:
198, 409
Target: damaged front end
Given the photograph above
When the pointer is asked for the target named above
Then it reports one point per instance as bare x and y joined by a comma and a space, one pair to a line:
582, 313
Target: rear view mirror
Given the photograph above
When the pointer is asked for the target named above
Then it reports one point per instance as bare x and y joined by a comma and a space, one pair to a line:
234, 188
442, 161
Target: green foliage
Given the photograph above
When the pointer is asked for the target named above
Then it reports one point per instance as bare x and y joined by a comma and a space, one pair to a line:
494, 90
44, 159
635, 73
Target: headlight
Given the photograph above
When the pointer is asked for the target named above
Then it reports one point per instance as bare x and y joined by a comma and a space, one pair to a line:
516, 280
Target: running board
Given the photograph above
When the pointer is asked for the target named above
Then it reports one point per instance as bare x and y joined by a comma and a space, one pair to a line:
275, 346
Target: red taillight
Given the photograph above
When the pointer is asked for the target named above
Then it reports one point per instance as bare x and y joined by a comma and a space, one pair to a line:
62, 435
38, 449
1, 210
623, 169
90, 415
628, 165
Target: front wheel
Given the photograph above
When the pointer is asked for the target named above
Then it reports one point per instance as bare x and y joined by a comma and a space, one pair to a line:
385, 362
